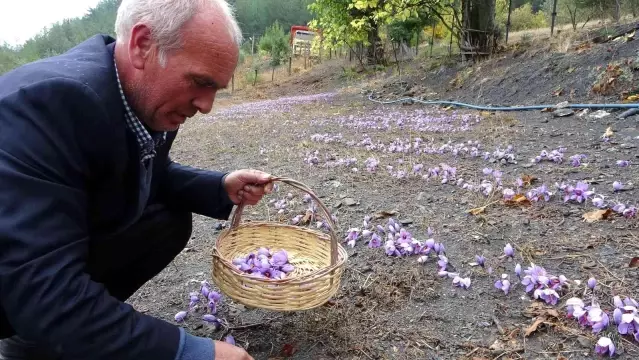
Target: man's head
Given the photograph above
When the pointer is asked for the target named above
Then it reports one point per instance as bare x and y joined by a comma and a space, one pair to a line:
173, 56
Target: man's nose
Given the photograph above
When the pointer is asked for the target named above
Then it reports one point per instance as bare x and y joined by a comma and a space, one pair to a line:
204, 102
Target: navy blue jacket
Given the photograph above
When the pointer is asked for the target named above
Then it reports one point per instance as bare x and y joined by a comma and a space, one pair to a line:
69, 168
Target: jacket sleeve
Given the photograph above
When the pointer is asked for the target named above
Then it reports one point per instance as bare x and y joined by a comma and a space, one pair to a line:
44, 289
196, 190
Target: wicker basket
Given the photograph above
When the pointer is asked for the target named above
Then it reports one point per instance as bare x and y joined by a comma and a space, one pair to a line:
319, 261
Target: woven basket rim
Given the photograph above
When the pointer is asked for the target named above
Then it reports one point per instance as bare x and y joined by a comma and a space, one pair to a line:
340, 261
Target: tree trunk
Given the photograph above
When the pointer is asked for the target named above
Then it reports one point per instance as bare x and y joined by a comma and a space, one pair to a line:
479, 33
375, 52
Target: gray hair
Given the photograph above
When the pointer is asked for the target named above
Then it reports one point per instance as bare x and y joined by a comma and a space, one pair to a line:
166, 18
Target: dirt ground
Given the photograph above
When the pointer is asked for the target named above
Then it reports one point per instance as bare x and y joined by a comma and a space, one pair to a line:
392, 307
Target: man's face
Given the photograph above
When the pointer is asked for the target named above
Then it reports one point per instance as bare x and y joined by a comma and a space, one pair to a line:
167, 96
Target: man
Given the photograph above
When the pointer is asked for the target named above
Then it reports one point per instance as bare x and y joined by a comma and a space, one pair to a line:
91, 205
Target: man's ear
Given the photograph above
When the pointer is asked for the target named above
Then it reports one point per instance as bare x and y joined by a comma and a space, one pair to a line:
140, 46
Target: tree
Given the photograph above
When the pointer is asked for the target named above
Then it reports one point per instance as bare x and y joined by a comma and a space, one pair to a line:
348, 22
275, 42
480, 32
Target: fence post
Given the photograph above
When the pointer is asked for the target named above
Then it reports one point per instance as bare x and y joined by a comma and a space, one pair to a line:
255, 79
432, 41
290, 63
510, 6
554, 14
253, 45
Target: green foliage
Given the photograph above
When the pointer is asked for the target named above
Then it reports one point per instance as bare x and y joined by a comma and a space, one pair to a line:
347, 22
571, 12
404, 31
256, 15
521, 18
275, 43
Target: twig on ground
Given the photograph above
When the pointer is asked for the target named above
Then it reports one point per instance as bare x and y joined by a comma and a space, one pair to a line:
508, 352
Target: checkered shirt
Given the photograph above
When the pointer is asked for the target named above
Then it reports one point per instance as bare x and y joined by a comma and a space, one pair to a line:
145, 140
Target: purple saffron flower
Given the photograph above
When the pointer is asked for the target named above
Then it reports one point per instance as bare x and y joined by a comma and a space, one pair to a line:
623, 163
598, 201
205, 289
605, 346
430, 243
619, 208
430, 231
597, 318
215, 296
480, 260
550, 296
288, 268
574, 305
375, 241
503, 284
279, 258
461, 282
179, 317
592, 282
616, 315
194, 299
617, 186
509, 194
442, 262
630, 212
518, 270
508, 250
209, 318
230, 339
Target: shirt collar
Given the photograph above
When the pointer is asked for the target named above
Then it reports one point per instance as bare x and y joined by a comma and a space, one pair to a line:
146, 142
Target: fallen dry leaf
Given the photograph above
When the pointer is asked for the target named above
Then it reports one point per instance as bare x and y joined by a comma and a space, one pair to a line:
305, 220
528, 179
385, 213
553, 313
597, 215
608, 132
519, 199
476, 211
532, 328
634, 263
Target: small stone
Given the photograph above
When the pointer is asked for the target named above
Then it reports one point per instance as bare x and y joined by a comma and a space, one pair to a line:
627, 146
366, 269
584, 341
612, 149
527, 166
492, 222
563, 113
526, 222
338, 205
406, 221
503, 162
350, 202
420, 196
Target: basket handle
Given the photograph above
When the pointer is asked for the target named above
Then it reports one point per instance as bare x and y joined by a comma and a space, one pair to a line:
237, 215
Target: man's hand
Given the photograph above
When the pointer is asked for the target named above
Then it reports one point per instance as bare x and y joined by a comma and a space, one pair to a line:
226, 351
248, 186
